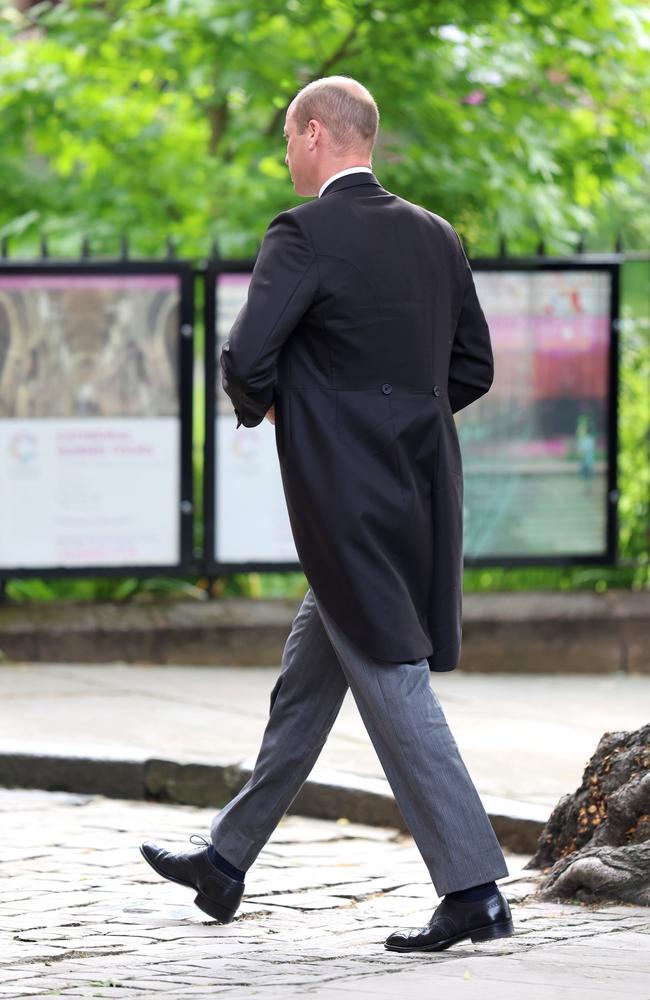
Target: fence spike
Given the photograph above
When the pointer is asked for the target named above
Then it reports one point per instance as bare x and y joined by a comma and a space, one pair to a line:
44, 247
580, 245
124, 246
4, 247
503, 246
541, 248
85, 248
171, 248
619, 244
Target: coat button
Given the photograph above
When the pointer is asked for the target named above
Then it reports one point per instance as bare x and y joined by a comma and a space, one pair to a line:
436, 390
386, 388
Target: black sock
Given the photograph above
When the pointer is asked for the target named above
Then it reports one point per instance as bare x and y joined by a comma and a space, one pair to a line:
474, 892
220, 862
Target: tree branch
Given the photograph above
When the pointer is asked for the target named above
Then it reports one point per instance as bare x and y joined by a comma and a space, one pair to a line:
342, 50
218, 120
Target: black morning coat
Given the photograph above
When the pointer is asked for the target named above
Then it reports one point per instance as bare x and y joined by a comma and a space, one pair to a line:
363, 327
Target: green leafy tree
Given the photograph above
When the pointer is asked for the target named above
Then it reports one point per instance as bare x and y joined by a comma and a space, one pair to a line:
158, 118
164, 117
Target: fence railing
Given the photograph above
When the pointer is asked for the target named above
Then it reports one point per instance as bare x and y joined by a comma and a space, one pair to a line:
139, 316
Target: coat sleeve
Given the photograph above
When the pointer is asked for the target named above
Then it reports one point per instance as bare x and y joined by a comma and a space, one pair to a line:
281, 290
471, 365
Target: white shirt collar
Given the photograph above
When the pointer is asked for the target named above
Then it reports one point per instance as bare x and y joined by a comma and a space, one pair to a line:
341, 173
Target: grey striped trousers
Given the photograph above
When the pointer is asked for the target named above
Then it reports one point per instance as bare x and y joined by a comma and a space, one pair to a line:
409, 732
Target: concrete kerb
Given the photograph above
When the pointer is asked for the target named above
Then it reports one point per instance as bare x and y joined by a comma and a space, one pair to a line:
327, 794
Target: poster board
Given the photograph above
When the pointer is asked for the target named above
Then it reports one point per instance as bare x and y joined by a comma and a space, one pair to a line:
95, 417
539, 449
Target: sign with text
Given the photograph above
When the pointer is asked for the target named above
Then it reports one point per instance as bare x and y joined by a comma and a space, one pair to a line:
90, 417
247, 484
539, 449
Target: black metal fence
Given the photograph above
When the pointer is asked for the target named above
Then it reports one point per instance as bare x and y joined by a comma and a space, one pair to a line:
201, 559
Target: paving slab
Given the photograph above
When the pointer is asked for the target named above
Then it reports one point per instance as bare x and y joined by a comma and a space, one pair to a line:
190, 734
525, 738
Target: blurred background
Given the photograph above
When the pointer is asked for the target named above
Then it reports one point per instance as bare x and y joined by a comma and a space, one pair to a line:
141, 161
153, 131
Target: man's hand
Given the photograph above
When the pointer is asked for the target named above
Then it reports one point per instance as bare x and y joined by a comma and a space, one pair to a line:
270, 413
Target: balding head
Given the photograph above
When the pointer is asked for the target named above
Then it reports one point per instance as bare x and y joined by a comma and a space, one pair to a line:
330, 125
345, 107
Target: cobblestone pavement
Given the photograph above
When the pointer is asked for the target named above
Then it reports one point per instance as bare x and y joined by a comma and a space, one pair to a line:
82, 915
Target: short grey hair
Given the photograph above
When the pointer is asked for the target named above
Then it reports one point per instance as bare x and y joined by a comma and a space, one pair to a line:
346, 108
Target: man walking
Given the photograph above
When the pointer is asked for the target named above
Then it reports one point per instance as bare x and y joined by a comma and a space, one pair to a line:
362, 334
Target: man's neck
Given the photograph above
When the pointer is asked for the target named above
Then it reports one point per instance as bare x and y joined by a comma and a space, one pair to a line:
341, 169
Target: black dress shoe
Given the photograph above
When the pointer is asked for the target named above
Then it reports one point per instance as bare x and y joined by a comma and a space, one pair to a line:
453, 920
218, 894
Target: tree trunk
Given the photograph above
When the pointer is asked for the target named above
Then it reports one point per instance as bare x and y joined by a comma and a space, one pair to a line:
597, 840
597, 873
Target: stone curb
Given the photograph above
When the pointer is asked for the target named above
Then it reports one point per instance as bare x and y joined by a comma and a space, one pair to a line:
327, 794
518, 632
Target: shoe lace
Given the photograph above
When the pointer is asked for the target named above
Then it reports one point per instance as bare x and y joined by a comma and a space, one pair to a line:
206, 843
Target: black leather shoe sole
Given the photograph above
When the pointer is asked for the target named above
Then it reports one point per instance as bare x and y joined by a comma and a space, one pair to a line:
502, 929
223, 914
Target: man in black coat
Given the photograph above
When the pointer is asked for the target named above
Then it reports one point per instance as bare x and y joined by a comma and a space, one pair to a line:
361, 335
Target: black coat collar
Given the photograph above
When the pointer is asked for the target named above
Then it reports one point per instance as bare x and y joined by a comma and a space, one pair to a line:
350, 180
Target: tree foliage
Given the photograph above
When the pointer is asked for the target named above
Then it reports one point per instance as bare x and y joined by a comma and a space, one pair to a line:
164, 117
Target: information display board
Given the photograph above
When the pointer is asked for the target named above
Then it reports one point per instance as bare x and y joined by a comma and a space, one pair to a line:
95, 417
539, 449
249, 525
